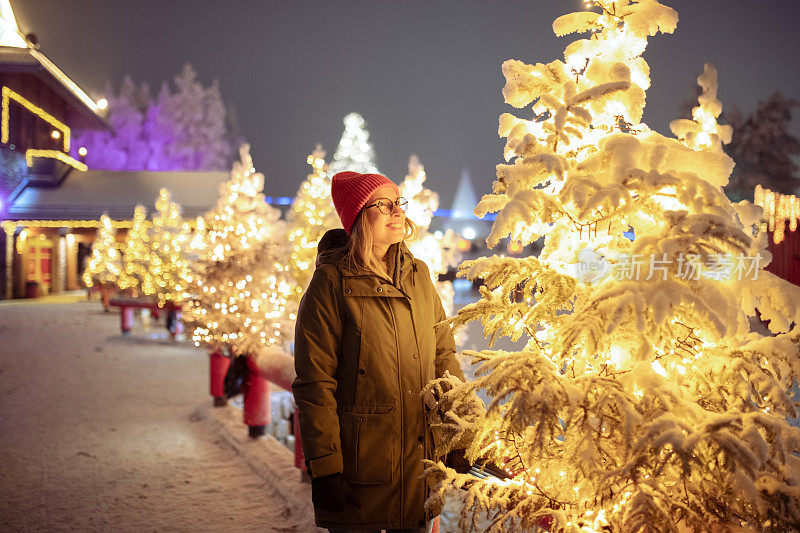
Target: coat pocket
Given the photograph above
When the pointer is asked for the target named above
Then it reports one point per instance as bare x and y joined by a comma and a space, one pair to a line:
369, 441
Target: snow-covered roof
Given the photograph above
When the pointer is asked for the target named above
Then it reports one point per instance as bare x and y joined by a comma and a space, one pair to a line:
9, 31
28, 59
15, 52
86, 195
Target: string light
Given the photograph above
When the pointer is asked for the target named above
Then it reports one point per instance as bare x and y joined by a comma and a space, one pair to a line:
8, 96
54, 154
778, 209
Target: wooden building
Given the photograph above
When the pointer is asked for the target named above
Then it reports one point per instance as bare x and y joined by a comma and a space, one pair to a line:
50, 203
40, 106
50, 230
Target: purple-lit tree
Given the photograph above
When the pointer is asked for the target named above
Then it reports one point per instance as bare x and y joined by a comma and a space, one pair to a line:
182, 129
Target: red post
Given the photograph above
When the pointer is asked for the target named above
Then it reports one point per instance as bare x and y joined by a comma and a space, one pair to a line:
256, 401
299, 458
217, 367
126, 319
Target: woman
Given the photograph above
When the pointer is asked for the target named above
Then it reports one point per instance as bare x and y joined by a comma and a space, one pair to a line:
366, 343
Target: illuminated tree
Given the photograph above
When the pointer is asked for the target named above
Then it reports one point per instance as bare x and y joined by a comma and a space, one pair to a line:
354, 152
166, 263
192, 122
185, 128
438, 253
312, 214
135, 269
104, 265
239, 286
642, 400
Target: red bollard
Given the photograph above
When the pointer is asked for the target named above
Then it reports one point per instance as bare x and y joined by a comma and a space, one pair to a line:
256, 401
126, 319
299, 458
217, 367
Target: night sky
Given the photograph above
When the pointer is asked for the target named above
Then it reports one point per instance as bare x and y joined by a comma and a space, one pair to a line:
424, 73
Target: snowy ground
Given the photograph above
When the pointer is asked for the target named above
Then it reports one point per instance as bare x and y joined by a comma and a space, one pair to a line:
106, 433
100, 433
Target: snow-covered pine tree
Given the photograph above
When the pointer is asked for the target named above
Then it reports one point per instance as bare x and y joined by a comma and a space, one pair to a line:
126, 146
185, 129
196, 115
239, 286
166, 262
135, 269
354, 152
104, 265
763, 150
438, 253
311, 215
641, 401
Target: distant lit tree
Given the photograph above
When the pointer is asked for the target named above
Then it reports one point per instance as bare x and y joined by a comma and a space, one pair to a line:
438, 253
354, 151
104, 265
167, 262
135, 268
187, 128
311, 215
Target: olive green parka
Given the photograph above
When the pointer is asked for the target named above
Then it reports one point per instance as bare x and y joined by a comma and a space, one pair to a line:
364, 349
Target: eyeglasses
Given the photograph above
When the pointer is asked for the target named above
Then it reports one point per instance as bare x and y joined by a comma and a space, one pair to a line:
387, 206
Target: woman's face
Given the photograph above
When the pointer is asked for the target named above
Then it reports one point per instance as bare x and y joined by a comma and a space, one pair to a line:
386, 229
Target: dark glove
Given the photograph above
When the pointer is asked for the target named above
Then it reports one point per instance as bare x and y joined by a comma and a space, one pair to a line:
457, 461
330, 493
492, 469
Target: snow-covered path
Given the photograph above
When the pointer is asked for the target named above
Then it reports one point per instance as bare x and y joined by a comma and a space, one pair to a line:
100, 433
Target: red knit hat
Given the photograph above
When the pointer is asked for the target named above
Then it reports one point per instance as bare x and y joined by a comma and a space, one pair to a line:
351, 190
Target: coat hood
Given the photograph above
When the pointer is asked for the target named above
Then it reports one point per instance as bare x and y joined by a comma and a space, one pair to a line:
332, 246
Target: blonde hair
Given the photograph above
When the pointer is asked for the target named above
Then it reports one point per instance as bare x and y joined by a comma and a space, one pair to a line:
358, 255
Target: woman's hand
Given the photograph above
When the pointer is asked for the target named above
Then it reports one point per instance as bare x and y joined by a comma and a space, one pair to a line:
330, 493
457, 460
